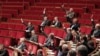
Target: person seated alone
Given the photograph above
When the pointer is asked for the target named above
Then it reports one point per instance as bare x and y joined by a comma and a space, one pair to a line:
95, 28
75, 25
33, 37
68, 36
3, 51
44, 23
56, 23
49, 42
29, 28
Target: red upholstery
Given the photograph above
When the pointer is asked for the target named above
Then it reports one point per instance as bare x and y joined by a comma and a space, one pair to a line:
19, 34
41, 39
4, 33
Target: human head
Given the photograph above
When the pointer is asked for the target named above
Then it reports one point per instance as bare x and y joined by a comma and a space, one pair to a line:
91, 44
45, 18
65, 47
97, 26
32, 32
22, 40
71, 9
1, 46
71, 53
29, 23
56, 18
75, 20
82, 50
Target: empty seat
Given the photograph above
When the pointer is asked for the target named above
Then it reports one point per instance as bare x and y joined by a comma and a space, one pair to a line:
41, 39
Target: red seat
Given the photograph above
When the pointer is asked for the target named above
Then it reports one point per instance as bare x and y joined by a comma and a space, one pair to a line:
1, 40
7, 41
19, 27
4, 26
12, 34
47, 30
41, 39
19, 34
4, 33
60, 33
11, 26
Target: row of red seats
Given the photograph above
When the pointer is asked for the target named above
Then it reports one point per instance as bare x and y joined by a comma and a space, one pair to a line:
74, 5
11, 33
11, 26
57, 32
16, 27
6, 41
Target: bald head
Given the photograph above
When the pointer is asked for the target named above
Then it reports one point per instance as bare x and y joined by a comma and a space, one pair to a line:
97, 26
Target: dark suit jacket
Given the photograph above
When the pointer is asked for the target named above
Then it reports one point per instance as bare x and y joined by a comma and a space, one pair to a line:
58, 24
48, 40
94, 31
30, 28
75, 26
22, 46
68, 36
45, 23
4, 52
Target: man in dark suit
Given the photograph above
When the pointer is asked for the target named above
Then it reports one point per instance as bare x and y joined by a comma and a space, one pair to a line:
70, 15
56, 23
75, 25
3, 51
44, 23
29, 28
33, 37
21, 45
49, 42
69, 36
95, 28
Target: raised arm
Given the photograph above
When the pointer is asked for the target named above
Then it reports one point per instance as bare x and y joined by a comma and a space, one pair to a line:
92, 21
22, 21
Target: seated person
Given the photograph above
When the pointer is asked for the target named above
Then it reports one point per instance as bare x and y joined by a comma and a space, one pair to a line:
49, 42
82, 50
71, 53
56, 23
33, 37
21, 45
29, 28
75, 25
63, 49
21, 48
70, 15
69, 36
96, 31
95, 28
3, 51
44, 23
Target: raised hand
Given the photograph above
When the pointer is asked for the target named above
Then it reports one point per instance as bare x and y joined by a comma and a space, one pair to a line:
22, 20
